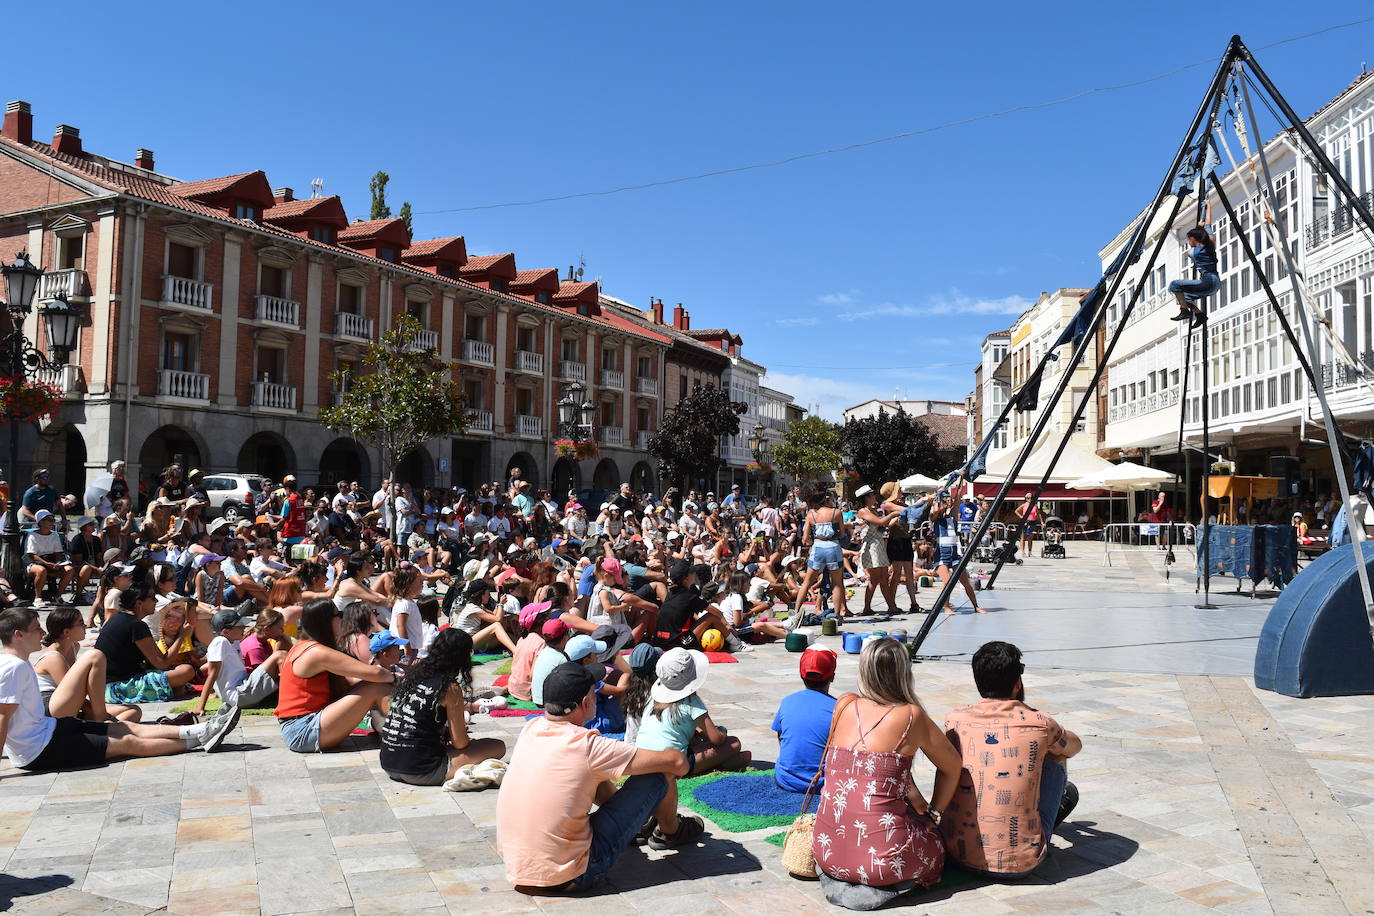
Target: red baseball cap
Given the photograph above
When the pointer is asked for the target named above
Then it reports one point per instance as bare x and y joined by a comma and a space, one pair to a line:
554, 629
817, 664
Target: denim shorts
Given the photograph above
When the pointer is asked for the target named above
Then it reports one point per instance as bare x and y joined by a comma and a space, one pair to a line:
825, 555
302, 733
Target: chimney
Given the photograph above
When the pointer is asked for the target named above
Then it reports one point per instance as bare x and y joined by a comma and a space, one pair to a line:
143, 158
282, 195
686, 320
656, 309
67, 139
679, 317
18, 122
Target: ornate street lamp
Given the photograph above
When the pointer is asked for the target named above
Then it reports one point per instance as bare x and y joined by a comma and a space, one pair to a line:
757, 445
21, 360
575, 414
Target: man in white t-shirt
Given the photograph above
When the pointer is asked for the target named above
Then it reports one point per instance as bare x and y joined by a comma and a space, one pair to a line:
265, 567
46, 558
227, 675
34, 740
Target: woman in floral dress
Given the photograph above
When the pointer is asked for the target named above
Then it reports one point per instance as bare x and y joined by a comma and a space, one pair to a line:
876, 837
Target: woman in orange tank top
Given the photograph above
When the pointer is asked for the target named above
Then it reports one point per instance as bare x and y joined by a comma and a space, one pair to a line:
311, 719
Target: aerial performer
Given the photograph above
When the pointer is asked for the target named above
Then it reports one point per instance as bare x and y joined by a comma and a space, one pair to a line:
1203, 250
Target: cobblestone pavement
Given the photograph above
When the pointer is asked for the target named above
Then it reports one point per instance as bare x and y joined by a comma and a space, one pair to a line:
1198, 793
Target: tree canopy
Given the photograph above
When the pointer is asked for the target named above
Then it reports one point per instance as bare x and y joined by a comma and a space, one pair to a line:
688, 440
404, 398
810, 447
890, 446
377, 187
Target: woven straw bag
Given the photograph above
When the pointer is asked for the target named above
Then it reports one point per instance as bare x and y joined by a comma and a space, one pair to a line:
797, 855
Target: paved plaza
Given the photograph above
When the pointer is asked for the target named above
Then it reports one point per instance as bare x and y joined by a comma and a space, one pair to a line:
1199, 793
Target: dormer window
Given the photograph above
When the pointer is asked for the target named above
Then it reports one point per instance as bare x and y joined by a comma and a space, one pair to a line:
247, 211
447, 270
321, 233
542, 297
387, 253
499, 284
583, 308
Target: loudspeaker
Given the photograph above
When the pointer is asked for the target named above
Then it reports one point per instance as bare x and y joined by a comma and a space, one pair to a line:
1288, 468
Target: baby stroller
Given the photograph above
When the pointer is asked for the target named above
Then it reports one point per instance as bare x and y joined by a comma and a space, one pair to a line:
1053, 547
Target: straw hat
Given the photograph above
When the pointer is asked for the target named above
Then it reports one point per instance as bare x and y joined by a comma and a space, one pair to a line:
891, 490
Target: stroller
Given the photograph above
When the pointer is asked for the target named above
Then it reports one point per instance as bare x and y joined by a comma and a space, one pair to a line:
1053, 547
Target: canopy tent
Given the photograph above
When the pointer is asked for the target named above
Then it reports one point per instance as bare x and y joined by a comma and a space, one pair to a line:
1126, 477
919, 482
1076, 462
1050, 494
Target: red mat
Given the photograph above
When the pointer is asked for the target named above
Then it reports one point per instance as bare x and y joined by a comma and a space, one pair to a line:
514, 713
721, 658
501, 681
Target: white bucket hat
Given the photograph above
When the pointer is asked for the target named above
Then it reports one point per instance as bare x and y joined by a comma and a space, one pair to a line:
681, 672
863, 491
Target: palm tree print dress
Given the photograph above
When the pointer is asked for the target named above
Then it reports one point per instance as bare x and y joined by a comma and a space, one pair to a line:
866, 832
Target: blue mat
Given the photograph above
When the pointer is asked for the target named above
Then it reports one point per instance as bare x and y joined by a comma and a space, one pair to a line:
752, 793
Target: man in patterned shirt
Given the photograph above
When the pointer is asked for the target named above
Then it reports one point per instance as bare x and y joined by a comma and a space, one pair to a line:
1014, 788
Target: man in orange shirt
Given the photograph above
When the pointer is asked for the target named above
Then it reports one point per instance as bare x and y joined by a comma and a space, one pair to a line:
1014, 789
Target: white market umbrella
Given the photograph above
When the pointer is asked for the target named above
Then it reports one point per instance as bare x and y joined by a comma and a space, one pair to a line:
919, 482
1130, 477
98, 489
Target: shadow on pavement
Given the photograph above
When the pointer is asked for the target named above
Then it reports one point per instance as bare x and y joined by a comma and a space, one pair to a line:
12, 887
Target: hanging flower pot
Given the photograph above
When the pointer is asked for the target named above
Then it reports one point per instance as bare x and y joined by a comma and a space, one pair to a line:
23, 401
565, 448
753, 467
587, 449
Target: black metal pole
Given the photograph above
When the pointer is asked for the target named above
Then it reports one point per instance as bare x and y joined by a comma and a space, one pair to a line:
1181, 476
1091, 392
1208, 101
1301, 130
1205, 545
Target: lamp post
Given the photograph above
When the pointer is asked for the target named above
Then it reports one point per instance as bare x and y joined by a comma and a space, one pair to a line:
22, 360
757, 445
575, 414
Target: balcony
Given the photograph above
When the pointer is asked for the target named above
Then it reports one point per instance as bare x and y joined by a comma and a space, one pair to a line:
612, 378
647, 386
68, 283
274, 396
528, 427
425, 339
478, 351
1335, 224
278, 311
480, 421
642, 438
570, 371
525, 361
188, 386
1140, 406
351, 325
66, 378
611, 435
736, 454
183, 293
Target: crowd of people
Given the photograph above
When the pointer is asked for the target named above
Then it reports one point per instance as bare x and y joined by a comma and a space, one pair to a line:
353, 610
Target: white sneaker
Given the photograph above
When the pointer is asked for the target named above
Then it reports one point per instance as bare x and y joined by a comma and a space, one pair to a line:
219, 727
487, 704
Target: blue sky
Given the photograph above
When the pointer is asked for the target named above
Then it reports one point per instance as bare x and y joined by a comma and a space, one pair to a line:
850, 275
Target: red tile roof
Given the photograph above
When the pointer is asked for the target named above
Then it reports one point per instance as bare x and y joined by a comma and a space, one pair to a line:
389, 229
574, 291
316, 209
452, 248
160, 192
950, 430
209, 187
495, 263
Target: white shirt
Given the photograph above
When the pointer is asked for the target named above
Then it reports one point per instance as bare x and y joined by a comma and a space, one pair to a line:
43, 544
30, 730
499, 527
232, 674
340, 502
475, 521
260, 566
731, 606
596, 612
407, 608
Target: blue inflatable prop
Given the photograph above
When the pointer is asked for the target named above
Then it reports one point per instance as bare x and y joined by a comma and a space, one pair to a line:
1316, 640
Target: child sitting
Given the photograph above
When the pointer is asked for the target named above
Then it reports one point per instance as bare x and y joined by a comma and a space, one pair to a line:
226, 674
739, 612
678, 720
643, 662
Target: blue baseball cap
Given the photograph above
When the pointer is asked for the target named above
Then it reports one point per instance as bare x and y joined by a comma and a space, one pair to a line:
580, 646
385, 640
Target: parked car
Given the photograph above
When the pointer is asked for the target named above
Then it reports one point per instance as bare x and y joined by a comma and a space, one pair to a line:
233, 496
593, 499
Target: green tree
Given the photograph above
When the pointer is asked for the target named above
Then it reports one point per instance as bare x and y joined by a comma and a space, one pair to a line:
688, 440
405, 215
404, 398
810, 447
378, 188
891, 446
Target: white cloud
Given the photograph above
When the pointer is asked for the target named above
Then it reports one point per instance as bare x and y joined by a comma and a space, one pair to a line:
846, 298
950, 303
796, 322
834, 395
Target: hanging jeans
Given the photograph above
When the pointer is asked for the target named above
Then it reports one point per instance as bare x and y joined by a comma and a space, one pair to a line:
1203, 286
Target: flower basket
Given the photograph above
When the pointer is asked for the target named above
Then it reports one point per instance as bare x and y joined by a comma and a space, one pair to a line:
753, 467
565, 448
587, 449
23, 401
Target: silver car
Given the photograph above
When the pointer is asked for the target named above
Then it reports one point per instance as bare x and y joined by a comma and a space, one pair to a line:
233, 496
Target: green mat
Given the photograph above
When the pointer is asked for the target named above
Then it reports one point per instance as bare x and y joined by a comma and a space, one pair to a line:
729, 820
777, 838
481, 658
213, 704
503, 668
513, 703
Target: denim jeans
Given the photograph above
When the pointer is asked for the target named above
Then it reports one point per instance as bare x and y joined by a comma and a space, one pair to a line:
1054, 778
1204, 285
615, 823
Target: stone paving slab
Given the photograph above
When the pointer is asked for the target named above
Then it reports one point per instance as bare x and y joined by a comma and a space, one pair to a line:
1199, 794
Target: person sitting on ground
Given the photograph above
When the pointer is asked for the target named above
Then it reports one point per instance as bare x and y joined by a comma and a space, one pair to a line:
34, 740
481, 620
357, 623
1014, 789
268, 636
678, 720
312, 719
875, 836
84, 698
47, 559
175, 635
136, 670
87, 556
643, 674
226, 673
113, 581
803, 722
740, 613
425, 739
563, 646
545, 831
